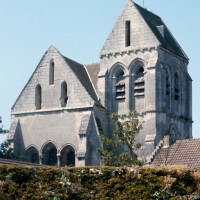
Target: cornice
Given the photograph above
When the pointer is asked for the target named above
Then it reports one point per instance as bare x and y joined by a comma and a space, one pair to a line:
55, 110
128, 52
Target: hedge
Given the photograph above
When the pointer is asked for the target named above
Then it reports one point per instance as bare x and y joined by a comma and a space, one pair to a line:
100, 183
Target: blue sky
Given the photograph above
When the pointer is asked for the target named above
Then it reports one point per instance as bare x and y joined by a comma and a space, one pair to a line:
78, 29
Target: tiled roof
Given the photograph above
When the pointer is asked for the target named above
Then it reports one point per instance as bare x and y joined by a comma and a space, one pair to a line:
183, 152
155, 23
93, 70
81, 73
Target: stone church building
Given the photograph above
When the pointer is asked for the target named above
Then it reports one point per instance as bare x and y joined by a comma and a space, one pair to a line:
64, 106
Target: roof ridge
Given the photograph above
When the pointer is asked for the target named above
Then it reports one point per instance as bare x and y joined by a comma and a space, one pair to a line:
185, 140
72, 60
146, 10
92, 63
83, 76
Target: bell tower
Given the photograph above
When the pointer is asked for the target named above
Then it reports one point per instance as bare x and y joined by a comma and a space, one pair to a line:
143, 68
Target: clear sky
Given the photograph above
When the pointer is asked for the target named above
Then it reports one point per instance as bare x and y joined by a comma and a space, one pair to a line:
78, 30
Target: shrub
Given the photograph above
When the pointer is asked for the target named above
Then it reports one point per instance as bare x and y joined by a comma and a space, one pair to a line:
100, 183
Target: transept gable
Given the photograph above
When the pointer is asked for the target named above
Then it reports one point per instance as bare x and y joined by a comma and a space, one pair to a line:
63, 68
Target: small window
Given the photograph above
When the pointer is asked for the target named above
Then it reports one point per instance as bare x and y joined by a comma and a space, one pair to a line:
128, 34
167, 84
63, 98
51, 73
176, 86
161, 29
38, 97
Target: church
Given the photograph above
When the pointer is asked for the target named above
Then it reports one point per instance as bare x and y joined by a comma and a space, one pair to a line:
65, 106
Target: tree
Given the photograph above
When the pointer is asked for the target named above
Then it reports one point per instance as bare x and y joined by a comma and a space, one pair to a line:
5, 150
2, 130
120, 150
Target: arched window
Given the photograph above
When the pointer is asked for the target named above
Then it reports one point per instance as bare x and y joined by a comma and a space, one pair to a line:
70, 161
35, 158
68, 156
32, 155
167, 90
38, 97
176, 87
139, 84
167, 84
63, 98
120, 86
49, 153
51, 73
52, 157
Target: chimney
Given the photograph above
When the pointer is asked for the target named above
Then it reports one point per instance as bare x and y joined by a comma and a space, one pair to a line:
166, 141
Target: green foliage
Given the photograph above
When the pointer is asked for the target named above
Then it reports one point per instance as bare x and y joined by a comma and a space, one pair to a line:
121, 149
98, 183
6, 151
2, 130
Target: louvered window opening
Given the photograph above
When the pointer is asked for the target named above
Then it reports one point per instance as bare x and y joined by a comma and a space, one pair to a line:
139, 86
120, 88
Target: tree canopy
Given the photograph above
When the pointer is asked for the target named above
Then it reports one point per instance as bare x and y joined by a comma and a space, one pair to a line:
2, 130
5, 150
120, 149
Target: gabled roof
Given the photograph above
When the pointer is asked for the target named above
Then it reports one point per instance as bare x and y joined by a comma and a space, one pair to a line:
81, 73
166, 40
183, 152
93, 70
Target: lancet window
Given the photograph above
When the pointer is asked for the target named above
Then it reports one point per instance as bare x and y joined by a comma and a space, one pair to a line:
176, 87
38, 97
64, 97
51, 73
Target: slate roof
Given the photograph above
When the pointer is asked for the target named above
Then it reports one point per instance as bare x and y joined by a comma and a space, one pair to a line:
168, 41
93, 70
183, 152
81, 73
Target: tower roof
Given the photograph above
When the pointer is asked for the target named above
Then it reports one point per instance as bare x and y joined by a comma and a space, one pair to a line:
161, 32
147, 30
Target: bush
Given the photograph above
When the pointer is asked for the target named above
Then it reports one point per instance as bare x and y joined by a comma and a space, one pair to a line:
52, 183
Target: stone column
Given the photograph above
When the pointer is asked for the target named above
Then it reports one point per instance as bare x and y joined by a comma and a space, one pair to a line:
131, 92
41, 159
58, 160
127, 94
